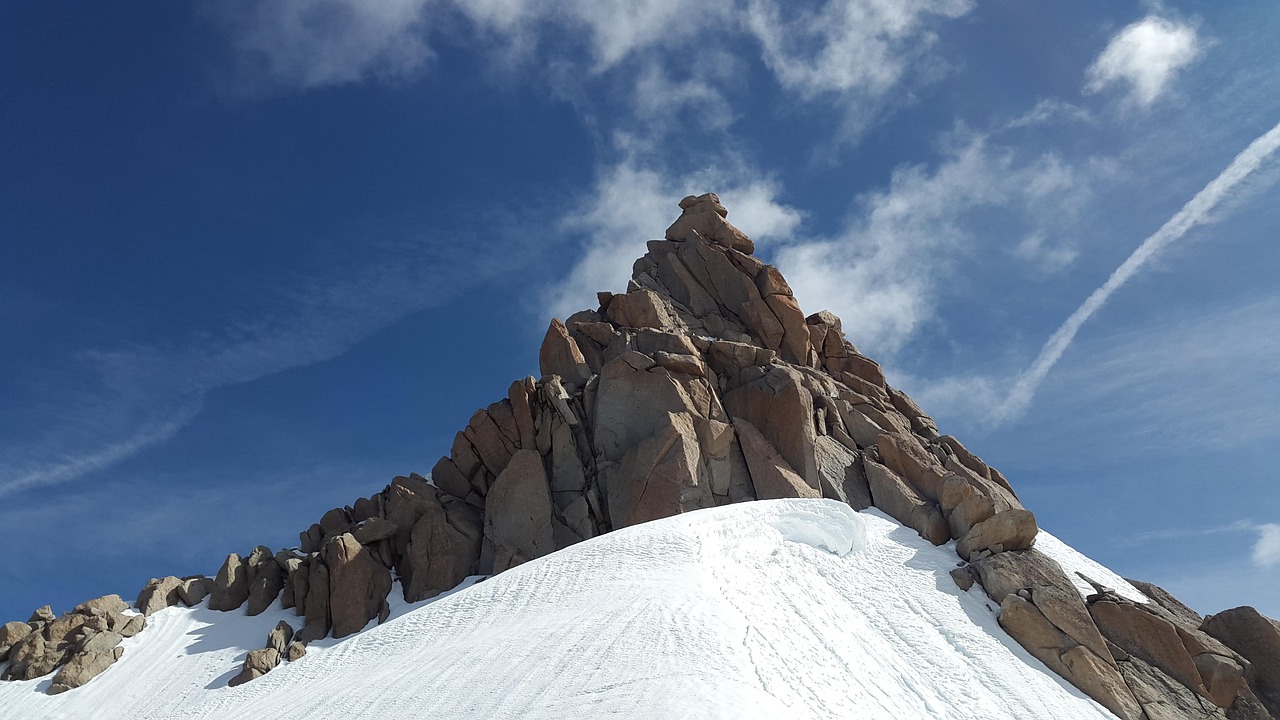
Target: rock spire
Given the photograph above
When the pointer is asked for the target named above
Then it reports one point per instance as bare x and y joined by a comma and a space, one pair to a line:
705, 384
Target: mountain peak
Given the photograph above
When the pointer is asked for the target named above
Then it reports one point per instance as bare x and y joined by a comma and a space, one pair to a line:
702, 385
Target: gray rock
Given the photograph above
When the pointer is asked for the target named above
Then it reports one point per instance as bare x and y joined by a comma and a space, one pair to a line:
374, 529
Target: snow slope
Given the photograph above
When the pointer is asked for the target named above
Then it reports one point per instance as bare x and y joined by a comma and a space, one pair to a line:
771, 609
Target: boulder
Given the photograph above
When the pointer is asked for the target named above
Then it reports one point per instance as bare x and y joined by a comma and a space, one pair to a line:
642, 308
231, 585
633, 401
560, 355
295, 650
358, 584
44, 613
781, 408
374, 529
132, 626
706, 220
257, 664
158, 594
908, 459
1256, 638
443, 549
104, 605
83, 667
1013, 529
517, 513
840, 474
280, 637
1144, 635
316, 606
902, 502
10, 634
195, 589
771, 475
265, 579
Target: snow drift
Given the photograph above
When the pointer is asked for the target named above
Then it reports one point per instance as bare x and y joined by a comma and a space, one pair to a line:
785, 608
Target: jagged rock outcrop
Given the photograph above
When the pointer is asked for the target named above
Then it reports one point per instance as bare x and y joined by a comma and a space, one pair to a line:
702, 384
80, 644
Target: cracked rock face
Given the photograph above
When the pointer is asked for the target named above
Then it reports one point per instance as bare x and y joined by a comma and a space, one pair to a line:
702, 384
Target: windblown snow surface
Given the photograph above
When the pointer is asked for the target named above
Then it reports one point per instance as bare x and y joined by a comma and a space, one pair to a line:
771, 609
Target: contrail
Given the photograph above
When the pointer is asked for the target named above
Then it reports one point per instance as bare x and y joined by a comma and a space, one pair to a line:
1191, 214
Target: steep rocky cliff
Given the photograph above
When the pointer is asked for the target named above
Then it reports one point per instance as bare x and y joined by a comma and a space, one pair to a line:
703, 384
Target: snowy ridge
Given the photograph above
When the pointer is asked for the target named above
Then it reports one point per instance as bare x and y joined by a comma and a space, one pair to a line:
786, 608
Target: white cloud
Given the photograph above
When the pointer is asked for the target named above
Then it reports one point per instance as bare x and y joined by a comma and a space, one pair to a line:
1049, 110
1047, 257
1146, 58
313, 43
880, 275
1266, 553
865, 45
631, 204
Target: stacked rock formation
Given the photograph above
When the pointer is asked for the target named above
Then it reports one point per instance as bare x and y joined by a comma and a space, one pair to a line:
704, 384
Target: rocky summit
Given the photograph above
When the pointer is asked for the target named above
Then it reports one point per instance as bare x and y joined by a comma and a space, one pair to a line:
704, 384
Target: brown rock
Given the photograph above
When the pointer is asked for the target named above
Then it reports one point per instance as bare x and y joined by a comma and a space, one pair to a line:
444, 547
1009, 530
1162, 697
1036, 574
448, 478
265, 580
893, 495
704, 221
663, 475
44, 613
358, 584
517, 516
493, 447
560, 356
83, 667
295, 650
10, 634
280, 637
1223, 678
132, 626
771, 475
158, 594
374, 529
1257, 639
633, 401
781, 408
104, 605
194, 590
231, 586
962, 577
522, 395
1102, 682
1140, 633
257, 664
906, 457
795, 347
318, 620
642, 308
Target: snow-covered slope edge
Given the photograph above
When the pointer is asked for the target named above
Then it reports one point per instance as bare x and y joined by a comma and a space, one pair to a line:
786, 608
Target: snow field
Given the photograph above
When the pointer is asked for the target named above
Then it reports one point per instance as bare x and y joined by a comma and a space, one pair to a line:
770, 609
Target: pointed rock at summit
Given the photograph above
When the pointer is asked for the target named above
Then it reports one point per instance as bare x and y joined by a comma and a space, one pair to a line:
704, 217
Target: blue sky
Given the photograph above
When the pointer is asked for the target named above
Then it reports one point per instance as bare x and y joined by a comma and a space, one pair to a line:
258, 258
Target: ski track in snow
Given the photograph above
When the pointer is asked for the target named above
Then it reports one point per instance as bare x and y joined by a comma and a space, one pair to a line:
769, 609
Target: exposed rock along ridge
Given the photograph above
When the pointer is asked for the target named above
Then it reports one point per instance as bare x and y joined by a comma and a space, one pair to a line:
703, 384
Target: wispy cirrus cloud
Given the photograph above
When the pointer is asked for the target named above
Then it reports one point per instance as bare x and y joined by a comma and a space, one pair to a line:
881, 274
128, 398
1145, 59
